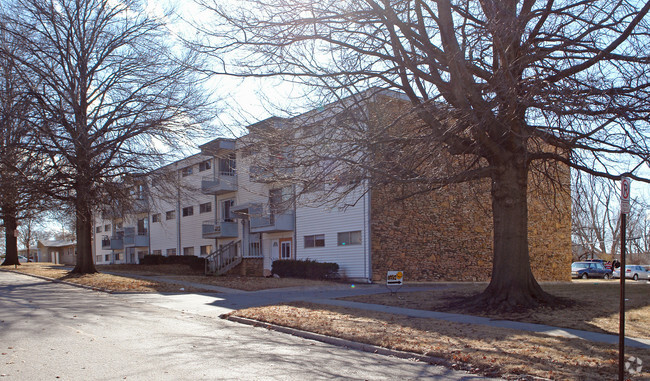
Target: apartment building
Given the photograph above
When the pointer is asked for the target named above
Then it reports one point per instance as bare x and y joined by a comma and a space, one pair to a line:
226, 204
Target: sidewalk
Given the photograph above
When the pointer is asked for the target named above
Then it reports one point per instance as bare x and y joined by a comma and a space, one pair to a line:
231, 299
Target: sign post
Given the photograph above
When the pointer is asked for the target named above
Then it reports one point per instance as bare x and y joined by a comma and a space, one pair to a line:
625, 209
394, 278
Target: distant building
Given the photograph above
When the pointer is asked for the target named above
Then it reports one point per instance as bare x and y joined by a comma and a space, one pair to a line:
58, 252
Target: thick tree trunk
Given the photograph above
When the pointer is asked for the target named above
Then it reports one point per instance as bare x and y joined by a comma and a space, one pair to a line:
11, 241
85, 263
513, 286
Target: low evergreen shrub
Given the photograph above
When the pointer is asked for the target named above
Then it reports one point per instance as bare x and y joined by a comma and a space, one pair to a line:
308, 269
195, 263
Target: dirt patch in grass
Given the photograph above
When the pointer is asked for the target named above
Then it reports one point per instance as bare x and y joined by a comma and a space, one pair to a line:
102, 281
488, 351
596, 305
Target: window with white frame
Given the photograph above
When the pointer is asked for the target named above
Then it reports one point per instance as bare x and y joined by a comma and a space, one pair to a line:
187, 171
317, 240
205, 250
155, 217
171, 251
170, 215
188, 211
98, 229
107, 228
188, 250
226, 206
205, 165
205, 208
157, 252
349, 238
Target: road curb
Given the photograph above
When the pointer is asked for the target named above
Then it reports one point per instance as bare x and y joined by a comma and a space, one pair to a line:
352, 344
60, 281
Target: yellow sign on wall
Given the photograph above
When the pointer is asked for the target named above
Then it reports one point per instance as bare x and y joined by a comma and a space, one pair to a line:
394, 278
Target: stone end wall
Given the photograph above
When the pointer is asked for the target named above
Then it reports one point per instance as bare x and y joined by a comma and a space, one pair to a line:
447, 235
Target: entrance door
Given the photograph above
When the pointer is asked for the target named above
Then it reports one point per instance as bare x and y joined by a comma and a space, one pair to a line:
285, 248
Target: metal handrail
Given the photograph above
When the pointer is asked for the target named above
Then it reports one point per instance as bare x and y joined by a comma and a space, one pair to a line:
221, 258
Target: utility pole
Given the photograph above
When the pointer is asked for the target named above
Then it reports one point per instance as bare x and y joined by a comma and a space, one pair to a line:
625, 209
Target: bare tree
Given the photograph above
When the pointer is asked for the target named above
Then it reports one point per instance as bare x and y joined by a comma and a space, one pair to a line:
595, 217
113, 90
503, 87
19, 165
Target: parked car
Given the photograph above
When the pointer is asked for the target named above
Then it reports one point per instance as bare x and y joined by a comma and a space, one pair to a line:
586, 270
634, 272
23, 259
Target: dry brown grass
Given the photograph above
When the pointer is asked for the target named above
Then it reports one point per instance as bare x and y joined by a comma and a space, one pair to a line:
247, 283
179, 273
596, 305
101, 281
186, 274
489, 351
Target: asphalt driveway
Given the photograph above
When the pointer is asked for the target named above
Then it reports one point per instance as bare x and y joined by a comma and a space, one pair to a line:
51, 331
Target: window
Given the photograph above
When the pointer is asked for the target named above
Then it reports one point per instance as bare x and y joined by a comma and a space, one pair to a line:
349, 238
226, 205
188, 251
155, 217
186, 171
107, 228
98, 258
118, 257
118, 226
188, 211
170, 215
227, 165
205, 165
98, 229
157, 252
205, 208
205, 250
107, 257
171, 252
279, 200
317, 240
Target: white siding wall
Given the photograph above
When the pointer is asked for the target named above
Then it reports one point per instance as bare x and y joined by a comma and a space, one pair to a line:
99, 222
352, 259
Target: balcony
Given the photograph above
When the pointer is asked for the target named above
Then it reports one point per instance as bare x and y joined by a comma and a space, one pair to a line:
112, 243
136, 240
221, 229
220, 184
272, 223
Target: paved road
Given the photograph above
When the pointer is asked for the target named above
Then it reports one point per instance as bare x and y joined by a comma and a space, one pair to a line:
52, 331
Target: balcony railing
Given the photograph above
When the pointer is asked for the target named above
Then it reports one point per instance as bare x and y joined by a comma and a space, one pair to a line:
112, 243
222, 183
137, 240
270, 223
219, 229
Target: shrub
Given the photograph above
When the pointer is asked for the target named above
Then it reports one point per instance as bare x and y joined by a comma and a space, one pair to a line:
194, 262
291, 268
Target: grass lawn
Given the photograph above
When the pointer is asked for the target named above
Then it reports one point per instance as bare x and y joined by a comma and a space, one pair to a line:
172, 273
489, 351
